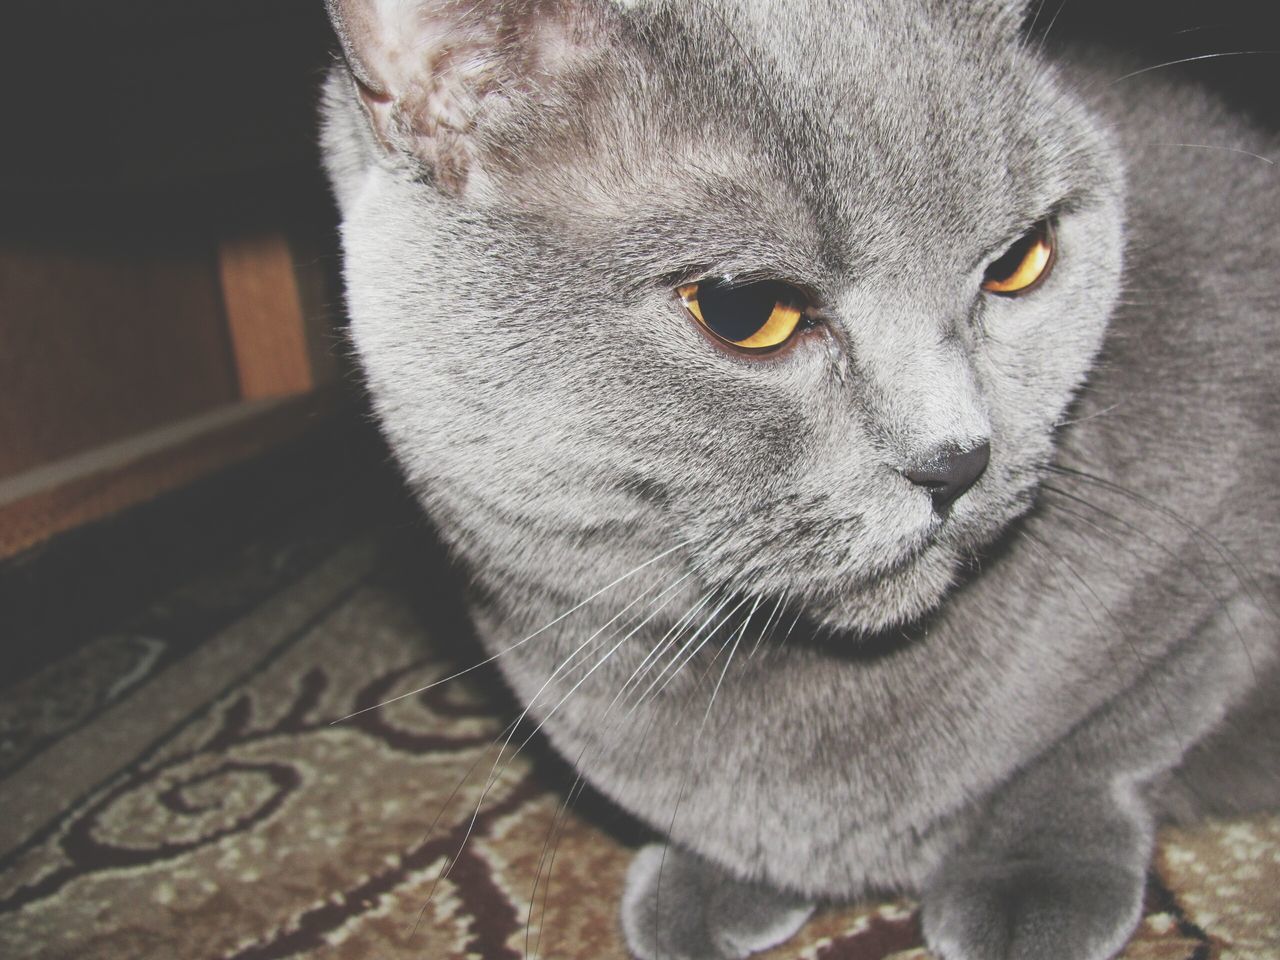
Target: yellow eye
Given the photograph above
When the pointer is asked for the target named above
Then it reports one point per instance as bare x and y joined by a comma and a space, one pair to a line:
1024, 265
756, 316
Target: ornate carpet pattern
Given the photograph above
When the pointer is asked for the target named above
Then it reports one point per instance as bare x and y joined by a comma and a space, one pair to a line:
178, 793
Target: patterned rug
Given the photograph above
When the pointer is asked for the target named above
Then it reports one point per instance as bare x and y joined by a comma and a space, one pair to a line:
177, 788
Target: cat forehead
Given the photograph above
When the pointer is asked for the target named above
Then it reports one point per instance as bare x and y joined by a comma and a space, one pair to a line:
859, 79
867, 120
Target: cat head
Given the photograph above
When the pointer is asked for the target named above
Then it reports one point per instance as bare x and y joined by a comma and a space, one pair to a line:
776, 279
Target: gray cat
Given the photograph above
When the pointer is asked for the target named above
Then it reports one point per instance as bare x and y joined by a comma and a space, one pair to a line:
902, 404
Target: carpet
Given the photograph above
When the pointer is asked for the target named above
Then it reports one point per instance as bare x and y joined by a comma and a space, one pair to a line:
176, 787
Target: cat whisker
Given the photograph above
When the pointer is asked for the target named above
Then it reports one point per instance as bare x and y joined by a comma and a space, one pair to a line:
715, 657
550, 843
440, 814
663, 643
691, 757
1214, 146
1049, 29
777, 608
574, 793
1174, 63
1093, 416
596, 666
685, 654
498, 767
533, 701
795, 620
564, 700
578, 782
680, 643
1035, 18
675, 810
519, 643
736, 639
747, 59
1182, 563
1232, 562
1062, 561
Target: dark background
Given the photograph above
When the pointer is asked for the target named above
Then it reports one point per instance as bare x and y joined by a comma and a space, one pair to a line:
1155, 32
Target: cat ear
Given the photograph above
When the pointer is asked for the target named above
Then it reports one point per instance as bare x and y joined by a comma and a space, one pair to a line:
425, 70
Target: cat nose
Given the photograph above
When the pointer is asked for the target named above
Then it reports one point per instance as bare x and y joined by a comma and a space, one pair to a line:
949, 472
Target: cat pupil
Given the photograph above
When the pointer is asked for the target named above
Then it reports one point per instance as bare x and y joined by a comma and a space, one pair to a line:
737, 312
1004, 267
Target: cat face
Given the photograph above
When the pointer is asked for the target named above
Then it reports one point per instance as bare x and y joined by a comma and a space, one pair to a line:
533, 201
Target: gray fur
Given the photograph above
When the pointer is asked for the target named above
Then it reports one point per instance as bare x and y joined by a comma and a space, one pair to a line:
992, 711
679, 907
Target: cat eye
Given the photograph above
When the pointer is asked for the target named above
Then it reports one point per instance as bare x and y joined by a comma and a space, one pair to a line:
1024, 266
759, 316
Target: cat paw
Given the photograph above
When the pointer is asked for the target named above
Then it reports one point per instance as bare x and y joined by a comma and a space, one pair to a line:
677, 907
1031, 910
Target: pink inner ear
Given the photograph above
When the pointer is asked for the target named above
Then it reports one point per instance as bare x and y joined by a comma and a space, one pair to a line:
370, 96
394, 46
425, 68
551, 43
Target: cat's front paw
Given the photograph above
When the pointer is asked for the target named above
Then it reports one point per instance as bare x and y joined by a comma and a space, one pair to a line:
1031, 910
678, 907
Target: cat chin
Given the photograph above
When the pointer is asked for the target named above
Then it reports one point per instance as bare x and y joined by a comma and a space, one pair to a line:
897, 598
